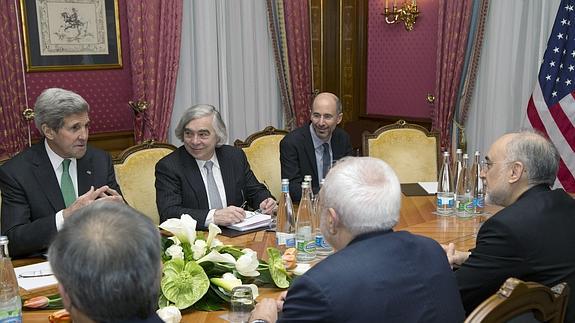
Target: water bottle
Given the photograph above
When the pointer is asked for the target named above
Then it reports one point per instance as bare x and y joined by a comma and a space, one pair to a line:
321, 246
285, 218
307, 178
463, 200
10, 303
477, 188
304, 237
445, 192
456, 169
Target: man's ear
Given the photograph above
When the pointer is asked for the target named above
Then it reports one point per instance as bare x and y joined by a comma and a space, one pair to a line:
48, 132
65, 297
332, 221
517, 169
339, 118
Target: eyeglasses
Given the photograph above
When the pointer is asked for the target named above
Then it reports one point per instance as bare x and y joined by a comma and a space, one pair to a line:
326, 117
487, 164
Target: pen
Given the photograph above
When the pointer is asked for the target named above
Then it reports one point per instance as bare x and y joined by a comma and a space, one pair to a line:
34, 274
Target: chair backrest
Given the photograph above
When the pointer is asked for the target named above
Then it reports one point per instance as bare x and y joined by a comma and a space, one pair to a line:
411, 150
516, 298
263, 152
135, 173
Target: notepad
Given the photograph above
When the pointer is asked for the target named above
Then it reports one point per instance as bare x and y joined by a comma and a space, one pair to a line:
252, 221
42, 279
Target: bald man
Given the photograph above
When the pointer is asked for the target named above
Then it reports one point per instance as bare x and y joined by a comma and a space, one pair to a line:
313, 148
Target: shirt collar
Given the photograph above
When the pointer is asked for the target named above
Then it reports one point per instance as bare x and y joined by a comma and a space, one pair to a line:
55, 159
214, 160
317, 142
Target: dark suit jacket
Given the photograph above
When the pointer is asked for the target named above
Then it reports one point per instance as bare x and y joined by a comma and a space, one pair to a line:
180, 188
153, 318
379, 277
532, 239
31, 195
297, 157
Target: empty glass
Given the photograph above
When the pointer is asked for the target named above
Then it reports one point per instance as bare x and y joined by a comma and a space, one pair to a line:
241, 304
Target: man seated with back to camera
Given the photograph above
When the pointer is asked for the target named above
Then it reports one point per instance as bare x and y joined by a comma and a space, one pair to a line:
376, 274
532, 238
43, 185
107, 260
206, 178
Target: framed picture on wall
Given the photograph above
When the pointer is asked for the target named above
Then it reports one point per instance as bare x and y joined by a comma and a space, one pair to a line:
71, 34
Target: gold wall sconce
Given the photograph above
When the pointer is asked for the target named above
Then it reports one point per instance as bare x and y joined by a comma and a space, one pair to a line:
407, 13
138, 106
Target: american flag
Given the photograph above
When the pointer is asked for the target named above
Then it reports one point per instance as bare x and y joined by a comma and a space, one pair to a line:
551, 108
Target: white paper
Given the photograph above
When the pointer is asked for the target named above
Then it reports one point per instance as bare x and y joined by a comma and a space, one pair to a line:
35, 282
253, 220
429, 187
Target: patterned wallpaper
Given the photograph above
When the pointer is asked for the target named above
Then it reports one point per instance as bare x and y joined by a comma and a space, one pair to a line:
107, 91
401, 65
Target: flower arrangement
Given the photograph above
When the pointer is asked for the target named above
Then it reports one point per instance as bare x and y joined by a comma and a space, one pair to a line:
199, 272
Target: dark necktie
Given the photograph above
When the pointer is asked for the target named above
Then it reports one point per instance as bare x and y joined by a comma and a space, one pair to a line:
66, 185
213, 193
326, 159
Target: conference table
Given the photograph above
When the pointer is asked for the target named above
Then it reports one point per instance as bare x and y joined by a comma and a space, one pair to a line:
417, 216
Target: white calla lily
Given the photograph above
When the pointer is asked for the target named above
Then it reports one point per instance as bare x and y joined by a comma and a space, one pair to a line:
217, 243
213, 231
183, 228
215, 256
170, 314
247, 264
175, 251
175, 240
199, 249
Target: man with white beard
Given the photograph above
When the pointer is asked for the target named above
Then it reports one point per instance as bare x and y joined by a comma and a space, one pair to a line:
533, 236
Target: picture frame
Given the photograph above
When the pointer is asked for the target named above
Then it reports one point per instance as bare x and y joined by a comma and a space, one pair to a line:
62, 35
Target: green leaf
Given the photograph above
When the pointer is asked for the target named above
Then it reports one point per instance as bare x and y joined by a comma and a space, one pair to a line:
184, 283
163, 301
220, 294
277, 269
231, 250
216, 268
210, 302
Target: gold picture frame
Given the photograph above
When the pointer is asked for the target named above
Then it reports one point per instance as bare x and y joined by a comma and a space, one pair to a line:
61, 35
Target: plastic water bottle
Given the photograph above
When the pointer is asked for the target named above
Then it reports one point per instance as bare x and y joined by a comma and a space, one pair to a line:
304, 237
285, 229
463, 199
456, 169
321, 246
477, 188
445, 192
10, 303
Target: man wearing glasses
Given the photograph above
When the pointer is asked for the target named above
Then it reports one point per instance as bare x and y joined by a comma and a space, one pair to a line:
205, 178
532, 238
312, 149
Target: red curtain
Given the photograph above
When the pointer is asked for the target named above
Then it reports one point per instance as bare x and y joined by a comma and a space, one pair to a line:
12, 87
155, 32
297, 22
454, 22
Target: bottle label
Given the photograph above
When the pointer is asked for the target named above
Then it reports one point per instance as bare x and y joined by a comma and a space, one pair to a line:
10, 316
285, 239
306, 246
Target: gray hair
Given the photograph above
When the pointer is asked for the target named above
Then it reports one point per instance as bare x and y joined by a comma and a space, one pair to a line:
54, 104
107, 257
338, 107
538, 155
200, 111
364, 192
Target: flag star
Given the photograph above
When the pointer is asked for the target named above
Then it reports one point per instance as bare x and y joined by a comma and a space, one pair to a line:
556, 50
568, 82
554, 93
563, 52
548, 77
552, 63
561, 65
557, 80
571, 68
564, 22
569, 23
566, 7
570, 8
560, 36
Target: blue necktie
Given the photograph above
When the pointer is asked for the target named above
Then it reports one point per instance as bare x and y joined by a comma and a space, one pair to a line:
326, 159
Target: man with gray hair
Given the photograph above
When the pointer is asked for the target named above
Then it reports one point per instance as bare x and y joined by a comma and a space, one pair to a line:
532, 238
107, 259
43, 185
205, 178
376, 274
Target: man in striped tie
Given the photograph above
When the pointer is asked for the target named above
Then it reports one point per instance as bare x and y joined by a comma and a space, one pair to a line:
43, 185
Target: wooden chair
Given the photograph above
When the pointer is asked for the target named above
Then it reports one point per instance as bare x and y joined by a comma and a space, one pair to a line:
135, 173
411, 150
515, 298
263, 152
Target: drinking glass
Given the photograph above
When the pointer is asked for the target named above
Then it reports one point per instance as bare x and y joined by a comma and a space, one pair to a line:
241, 304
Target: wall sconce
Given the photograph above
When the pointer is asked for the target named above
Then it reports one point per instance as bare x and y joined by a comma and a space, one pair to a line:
407, 13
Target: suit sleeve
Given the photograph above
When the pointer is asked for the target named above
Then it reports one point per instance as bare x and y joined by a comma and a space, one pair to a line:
26, 236
494, 259
256, 192
290, 168
169, 194
306, 302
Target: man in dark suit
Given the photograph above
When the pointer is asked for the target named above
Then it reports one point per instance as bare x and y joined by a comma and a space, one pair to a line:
205, 178
376, 274
532, 238
116, 266
313, 148
43, 185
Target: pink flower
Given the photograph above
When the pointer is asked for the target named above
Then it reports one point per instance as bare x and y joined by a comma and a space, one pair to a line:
37, 302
